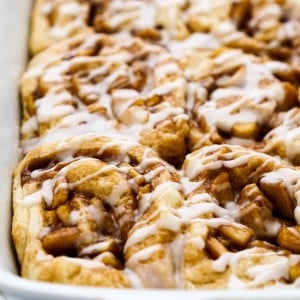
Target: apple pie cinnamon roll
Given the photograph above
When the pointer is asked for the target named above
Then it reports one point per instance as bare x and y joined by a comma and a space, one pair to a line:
271, 27
276, 24
166, 20
109, 212
75, 202
122, 93
56, 20
234, 95
225, 20
103, 85
157, 21
236, 228
243, 208
283, 140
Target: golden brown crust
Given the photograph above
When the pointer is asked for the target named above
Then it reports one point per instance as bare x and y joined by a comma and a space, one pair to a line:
51, 244
251, 25
254, 185
212, 239
115, 85
234, 98
107, 211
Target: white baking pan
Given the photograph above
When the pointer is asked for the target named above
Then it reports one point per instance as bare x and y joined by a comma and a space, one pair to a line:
14, 20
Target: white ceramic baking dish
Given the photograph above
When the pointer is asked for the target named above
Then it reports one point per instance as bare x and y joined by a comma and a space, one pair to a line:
14, 20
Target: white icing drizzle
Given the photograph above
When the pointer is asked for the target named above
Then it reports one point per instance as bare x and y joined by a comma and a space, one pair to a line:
70, 9
209, 7
68, 116
198, 242
266, 17
42, 256
60, 32
129, 15
46, 191
177, 247
190, 211
207, 159
133, 278
75, 217
196, 41
277, 268
152, 174
226, 33
287, 133
31, 125
170, 222
254, 92
74, 11
288, 31
159, 191
43, 232
54, 106
143, 254
189, 186
98, 247
87, 263
47, 8
272, 227
117, 191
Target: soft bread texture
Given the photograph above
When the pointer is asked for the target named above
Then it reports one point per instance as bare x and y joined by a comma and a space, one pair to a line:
174, 233
252, 25
216, 247
161, 143
29, 220
124, 91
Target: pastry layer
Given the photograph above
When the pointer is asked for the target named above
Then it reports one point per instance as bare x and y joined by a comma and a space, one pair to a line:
191, 96
75, 202
106, 212
104, 85
253, 25
233, 95
55, 20
193, 80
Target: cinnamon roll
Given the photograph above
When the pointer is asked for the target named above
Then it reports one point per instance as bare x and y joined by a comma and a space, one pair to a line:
244, 206
103, 85
234, 95
157, 21
75, 203
167, 21
237, 226
161, 144
56, 20
276, 25
255, 26
271, 27
108, 212
283, 139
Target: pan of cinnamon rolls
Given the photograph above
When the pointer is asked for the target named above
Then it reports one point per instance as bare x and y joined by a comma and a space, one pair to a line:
161, 144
